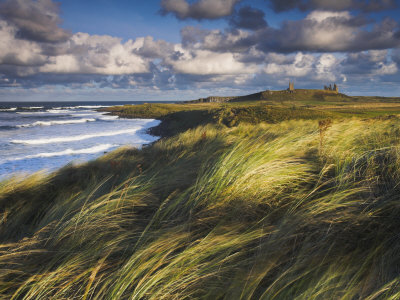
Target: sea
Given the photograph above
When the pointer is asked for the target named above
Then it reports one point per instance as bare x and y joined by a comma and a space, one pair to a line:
48, 135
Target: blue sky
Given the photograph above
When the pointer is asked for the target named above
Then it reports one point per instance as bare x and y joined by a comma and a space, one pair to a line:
183, 49
131, 19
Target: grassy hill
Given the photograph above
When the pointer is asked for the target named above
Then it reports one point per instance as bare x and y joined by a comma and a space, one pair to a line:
240, 201
298, 95
177, 118
304, 96
267, 106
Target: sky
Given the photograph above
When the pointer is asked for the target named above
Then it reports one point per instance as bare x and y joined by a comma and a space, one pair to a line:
105, 50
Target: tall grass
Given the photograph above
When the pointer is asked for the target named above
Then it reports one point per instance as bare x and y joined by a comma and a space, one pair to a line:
249, 212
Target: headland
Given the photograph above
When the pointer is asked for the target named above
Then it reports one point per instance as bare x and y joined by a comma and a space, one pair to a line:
291, 195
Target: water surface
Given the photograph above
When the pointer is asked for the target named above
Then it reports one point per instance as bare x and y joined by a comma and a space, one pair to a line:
36, 136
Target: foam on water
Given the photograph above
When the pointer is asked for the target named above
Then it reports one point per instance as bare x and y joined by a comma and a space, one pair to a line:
69, 151
91, 106
75, 137
35, 137
32, 107
50, 123
59, 111
108, 118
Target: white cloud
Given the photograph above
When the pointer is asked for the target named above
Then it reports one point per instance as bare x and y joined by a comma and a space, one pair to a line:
326, 67
36, 20
322, 15
327, 30
205, 62
301, 65
18, 52
95, 54
201, 9
386, 69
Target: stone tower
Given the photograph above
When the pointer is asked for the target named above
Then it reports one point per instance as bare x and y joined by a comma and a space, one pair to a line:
336, 88
291, 87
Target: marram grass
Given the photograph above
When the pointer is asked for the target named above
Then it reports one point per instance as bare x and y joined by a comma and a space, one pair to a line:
251, 212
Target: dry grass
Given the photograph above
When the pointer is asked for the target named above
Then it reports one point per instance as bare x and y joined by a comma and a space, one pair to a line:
249, 212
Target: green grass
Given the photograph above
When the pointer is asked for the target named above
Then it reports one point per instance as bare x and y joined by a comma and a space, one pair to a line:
269, 107
177, 118
283, 209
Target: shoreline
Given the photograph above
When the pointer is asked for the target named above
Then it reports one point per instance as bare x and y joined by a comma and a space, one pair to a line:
244, 183
150, 131
199, 198
74, 147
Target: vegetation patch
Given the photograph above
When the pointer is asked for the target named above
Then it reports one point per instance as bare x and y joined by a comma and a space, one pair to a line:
304, 209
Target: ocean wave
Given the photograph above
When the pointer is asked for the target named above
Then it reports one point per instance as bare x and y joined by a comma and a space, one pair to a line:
81, 106
93, 114
63, 107
32, 107
69, 151
8, 109
91, 106
108, 118
59, 111
50, 123
76, 137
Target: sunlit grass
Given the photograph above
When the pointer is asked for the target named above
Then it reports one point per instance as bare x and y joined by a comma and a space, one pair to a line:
247, 212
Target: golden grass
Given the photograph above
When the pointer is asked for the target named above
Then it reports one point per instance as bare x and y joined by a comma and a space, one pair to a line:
248, 212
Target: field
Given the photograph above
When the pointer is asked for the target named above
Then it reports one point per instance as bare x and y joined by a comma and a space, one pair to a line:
247, 200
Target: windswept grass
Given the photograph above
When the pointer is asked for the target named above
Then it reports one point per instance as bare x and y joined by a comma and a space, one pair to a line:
177, 118
267, 106
255, 211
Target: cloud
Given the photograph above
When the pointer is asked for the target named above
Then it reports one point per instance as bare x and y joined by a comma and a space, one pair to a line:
375, 63
205, 62
94, 54
326, 46
35, 20
150, 48
319, 31
199, 10
232, 40
18, 52
206, 73
81, 53
248, 18
323, 31
301, 65
338, 5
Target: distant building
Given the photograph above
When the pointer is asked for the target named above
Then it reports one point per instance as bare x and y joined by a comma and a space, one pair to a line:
291, 87
335, 88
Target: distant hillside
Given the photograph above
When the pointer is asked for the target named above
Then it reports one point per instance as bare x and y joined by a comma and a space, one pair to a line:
284, 95
300, 95
212, 99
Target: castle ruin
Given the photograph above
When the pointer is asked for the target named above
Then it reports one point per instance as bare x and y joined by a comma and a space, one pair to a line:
291, 87
335, 88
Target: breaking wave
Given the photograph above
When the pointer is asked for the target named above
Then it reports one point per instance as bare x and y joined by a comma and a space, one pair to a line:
75, 138
69, 151
59, 111
91, 106
50, 123
32, 107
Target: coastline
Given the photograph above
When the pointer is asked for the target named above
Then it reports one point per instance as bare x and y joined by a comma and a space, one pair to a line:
243, 192
31, 141
178, 118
